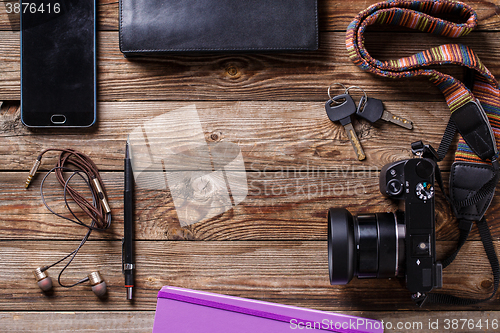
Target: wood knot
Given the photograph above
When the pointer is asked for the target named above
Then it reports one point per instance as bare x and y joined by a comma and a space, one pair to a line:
11, 116
486, 284
233, 72
215, 137
153, 281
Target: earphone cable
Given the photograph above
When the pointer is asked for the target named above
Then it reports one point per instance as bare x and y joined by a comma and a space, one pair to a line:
97, 209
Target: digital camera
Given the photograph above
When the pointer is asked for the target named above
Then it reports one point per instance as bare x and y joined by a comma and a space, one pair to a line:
385, 245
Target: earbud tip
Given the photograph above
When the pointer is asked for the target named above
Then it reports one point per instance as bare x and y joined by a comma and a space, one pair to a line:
99, 289
45, 284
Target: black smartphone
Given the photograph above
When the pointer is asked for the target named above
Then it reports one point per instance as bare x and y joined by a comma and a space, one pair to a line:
58, 63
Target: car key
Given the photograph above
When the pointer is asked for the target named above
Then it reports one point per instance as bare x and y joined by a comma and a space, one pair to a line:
342, 112
372, 109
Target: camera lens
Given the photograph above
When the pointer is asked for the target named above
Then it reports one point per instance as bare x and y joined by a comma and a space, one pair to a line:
341, 246
365, 246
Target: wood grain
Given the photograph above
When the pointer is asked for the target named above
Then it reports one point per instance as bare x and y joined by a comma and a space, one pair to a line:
142, 321
271, 135
332, 15
293, 272
278, 207
103, 321
285, 150
285, 77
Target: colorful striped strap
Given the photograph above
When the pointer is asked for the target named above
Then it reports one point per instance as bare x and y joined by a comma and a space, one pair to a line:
420, 15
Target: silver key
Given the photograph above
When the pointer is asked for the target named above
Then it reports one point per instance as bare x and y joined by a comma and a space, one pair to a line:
342, 112
400, 121
351, 134
372, 109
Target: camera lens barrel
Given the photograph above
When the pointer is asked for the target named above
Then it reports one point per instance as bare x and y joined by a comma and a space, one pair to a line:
379, 242
366, 246
367, 230
342, 258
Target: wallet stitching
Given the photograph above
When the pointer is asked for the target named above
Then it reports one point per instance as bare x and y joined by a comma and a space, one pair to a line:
238, 49
120, 28
220, 49
317, 25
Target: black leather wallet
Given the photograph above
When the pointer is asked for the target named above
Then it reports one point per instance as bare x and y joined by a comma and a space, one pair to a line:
159, 26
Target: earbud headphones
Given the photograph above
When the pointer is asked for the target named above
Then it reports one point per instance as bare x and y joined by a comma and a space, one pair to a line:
98, 210
45, 282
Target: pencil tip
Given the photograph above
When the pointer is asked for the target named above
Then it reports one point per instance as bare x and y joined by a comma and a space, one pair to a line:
127, 147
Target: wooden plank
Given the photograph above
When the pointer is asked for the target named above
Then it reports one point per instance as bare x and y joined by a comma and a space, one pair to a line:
9, 19
336, 15
332, 15
9, 66
271, 135
277, 207
294, 273
106, 321
286, 77
142, 321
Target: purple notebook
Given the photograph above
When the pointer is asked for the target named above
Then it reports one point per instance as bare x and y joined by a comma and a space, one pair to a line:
183, 310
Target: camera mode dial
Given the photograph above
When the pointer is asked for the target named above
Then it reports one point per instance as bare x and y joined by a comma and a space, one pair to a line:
424, 191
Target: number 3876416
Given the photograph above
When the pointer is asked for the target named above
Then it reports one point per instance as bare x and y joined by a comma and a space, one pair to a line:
32, 8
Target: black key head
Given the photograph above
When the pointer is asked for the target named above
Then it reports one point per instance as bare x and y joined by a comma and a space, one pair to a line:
343, 110
370, 109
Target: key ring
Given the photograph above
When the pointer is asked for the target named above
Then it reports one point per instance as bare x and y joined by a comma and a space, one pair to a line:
346, 91
362, 90
360, 107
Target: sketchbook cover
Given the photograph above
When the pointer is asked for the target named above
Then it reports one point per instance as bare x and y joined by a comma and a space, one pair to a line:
183, 310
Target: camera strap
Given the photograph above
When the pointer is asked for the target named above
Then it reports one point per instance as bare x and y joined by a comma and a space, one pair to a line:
474, 105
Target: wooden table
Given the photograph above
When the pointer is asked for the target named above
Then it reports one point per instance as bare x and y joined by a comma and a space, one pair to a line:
272, 246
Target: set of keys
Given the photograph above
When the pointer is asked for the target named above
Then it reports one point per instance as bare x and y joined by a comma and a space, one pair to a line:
342, 107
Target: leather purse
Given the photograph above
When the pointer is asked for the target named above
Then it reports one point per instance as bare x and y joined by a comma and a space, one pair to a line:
161, 26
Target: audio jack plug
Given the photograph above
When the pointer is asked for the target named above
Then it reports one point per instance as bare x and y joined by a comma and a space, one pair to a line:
101, 195
33, 170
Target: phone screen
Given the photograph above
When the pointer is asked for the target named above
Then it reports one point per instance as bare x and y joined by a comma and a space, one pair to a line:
58, 63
